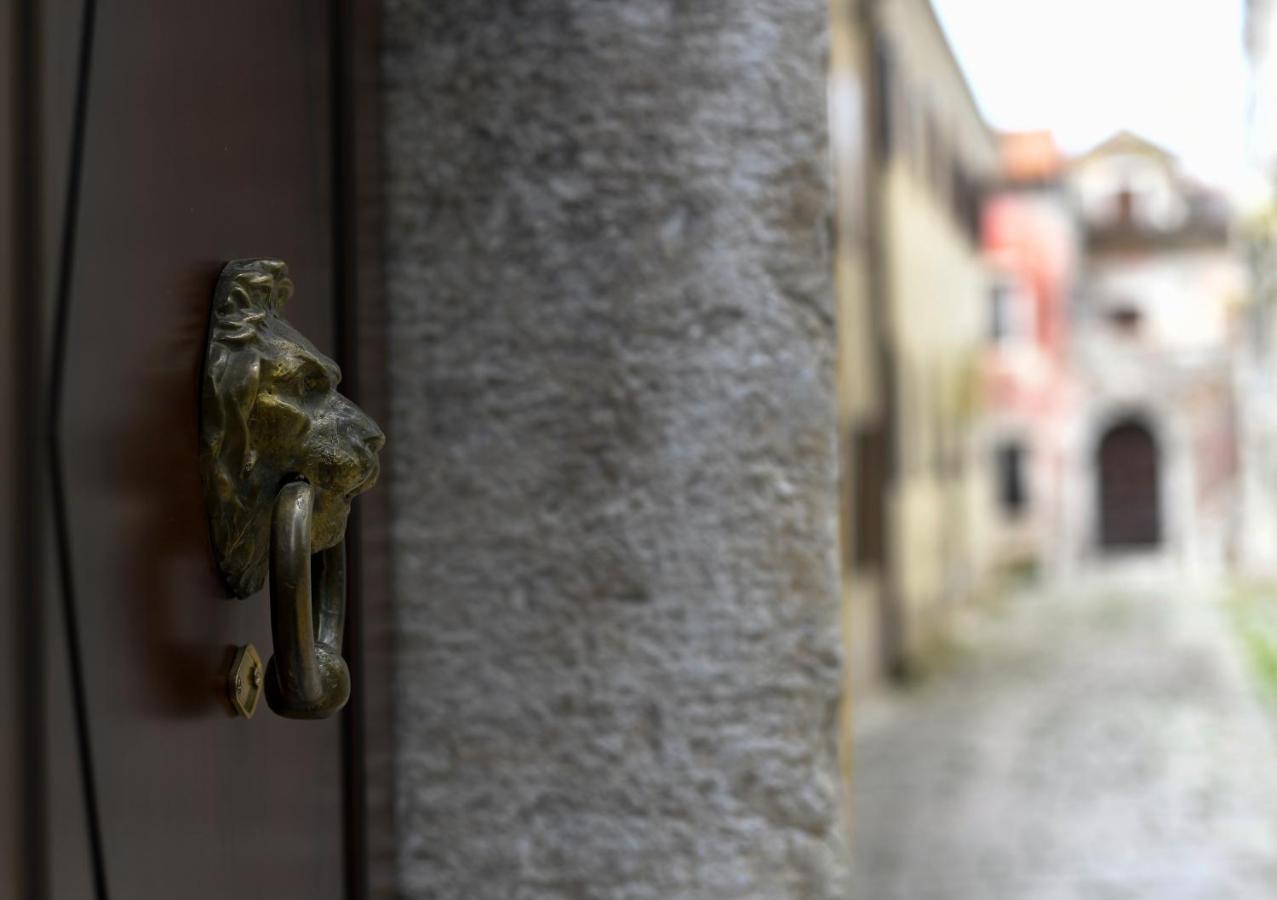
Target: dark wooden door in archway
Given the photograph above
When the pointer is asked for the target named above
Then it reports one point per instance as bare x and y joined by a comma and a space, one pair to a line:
1130, 509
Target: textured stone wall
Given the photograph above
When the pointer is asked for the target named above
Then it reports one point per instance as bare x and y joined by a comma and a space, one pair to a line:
612, 450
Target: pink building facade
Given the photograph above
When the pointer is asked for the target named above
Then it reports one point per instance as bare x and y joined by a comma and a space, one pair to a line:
1031, 242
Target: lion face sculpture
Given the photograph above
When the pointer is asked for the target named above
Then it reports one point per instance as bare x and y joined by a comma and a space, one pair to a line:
271, 415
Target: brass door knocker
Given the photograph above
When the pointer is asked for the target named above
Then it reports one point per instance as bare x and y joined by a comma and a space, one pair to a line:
306, 678
282, 455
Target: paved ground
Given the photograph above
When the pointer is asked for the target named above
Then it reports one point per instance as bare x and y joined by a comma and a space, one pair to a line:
1105, 742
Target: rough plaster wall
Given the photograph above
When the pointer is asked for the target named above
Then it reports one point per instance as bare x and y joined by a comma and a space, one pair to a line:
612, 449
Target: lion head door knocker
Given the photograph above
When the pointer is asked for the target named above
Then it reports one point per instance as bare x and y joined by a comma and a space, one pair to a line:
282, 455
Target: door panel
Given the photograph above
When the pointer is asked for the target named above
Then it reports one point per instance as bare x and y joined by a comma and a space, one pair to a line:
69, 859
207, 138
69, 849
61, 24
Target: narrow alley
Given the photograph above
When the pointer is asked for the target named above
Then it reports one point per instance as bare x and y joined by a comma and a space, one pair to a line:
1113, 740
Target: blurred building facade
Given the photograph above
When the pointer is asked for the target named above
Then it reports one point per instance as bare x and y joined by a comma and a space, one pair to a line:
1152, 450
1257, 363
1032, 242
913, 286
1040, 364
1261, 34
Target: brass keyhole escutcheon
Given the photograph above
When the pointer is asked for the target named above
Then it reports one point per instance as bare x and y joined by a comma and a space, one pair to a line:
245, 681
282, 455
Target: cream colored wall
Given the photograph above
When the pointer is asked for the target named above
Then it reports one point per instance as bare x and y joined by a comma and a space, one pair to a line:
1190, 299
859, 394
859, 403
925, 57
941, 522
936, 293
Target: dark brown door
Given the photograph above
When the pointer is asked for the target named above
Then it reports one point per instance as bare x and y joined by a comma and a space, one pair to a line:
1130, 516
207, 135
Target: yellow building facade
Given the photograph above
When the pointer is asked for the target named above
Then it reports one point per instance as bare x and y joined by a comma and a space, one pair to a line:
913, 157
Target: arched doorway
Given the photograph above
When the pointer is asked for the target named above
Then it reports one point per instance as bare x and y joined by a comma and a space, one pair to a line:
1130, 508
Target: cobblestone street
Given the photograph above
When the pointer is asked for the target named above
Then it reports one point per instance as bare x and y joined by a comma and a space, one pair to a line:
1110, 741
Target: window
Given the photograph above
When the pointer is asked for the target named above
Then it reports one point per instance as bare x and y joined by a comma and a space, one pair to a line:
937, 155
1000, 312
1013, 495
967, 200
869, 474
884, 98
1124, 205
1127, 320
